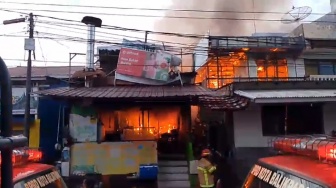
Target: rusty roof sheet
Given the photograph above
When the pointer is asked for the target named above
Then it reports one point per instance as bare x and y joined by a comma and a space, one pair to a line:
119, 92
224, 103
56, 71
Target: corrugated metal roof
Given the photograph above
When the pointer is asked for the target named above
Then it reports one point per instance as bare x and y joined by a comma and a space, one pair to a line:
119, 92
269, 34
273, 94
57, 71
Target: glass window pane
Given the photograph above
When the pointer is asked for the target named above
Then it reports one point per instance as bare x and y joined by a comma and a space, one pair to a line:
311, 69
271, 71
282, 68
326, 68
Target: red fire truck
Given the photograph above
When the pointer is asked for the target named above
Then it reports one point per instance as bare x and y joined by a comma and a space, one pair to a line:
301, 162
18, 166
27, 173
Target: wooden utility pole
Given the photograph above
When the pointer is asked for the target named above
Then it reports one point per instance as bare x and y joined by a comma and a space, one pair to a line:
146, 36
30, 46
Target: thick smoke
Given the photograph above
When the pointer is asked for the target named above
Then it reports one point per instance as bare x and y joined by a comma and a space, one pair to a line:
227, 27
223, 27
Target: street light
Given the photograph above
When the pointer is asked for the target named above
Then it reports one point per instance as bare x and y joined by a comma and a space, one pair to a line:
30, 46
13, 21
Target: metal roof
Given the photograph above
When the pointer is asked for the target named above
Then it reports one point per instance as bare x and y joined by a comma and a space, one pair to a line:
57, 71
286, 96
119, 92
224, 103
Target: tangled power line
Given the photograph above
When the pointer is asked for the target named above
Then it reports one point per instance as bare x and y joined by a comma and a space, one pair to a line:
76, 27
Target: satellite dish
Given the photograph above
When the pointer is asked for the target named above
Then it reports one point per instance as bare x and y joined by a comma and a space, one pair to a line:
296, 14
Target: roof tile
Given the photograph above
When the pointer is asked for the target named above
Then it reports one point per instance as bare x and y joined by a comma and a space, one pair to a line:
127, 92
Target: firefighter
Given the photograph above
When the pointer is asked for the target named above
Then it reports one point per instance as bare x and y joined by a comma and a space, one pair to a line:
206, 170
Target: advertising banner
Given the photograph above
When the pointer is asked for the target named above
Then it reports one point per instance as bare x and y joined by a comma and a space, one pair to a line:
19, 101
147, 67
83, 124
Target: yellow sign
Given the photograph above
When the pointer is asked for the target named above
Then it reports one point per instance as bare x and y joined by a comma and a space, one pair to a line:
111, 158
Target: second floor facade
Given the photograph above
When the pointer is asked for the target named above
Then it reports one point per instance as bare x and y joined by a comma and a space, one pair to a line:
245, 62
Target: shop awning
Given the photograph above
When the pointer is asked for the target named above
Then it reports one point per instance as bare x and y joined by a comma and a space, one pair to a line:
129, 92
288, 96
224, 103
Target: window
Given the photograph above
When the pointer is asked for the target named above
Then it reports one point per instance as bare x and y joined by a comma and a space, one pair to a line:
326, 68
48, 179
299, 119
222, 71
311, 67
314, 67
273, 120
272, 69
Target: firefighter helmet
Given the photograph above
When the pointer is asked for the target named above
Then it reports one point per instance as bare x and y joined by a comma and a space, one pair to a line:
205, 153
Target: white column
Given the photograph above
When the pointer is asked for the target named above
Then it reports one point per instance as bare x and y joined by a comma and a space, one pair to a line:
295, 67
300, 67
291, 68
252, 68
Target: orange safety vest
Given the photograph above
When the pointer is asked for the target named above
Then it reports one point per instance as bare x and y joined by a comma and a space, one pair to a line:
205, 173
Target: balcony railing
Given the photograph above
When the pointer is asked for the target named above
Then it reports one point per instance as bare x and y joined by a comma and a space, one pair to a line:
257, 42
215, 83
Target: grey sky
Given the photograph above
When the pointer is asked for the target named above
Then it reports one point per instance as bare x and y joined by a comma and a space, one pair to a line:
56, 52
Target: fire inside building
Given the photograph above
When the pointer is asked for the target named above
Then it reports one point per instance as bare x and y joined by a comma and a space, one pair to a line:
135, 109
242, 89
288, 79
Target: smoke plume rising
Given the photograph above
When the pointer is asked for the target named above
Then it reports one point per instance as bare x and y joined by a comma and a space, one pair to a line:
228, 27
225, 27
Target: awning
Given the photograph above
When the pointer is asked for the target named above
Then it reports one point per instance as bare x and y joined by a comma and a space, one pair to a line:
289, 96
127, 92
224, 103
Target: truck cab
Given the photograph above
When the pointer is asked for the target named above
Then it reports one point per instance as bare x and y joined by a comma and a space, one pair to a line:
27, 173
36, 176
301, 162
19, 165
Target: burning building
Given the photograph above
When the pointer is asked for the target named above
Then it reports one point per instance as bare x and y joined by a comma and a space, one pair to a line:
136, 105
288, 79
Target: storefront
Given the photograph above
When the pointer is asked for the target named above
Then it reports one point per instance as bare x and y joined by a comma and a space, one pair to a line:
130, 124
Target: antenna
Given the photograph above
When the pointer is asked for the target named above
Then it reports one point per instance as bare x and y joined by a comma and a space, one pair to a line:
296, 14
254, 17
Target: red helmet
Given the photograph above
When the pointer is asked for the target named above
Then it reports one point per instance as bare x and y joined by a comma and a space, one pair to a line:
205, 152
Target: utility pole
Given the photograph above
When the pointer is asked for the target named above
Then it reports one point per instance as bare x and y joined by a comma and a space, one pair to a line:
6, 119
146, 35
30, 46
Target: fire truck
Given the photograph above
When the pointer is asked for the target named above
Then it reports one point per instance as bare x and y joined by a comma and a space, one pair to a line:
28, 173
19, 167
300, 162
